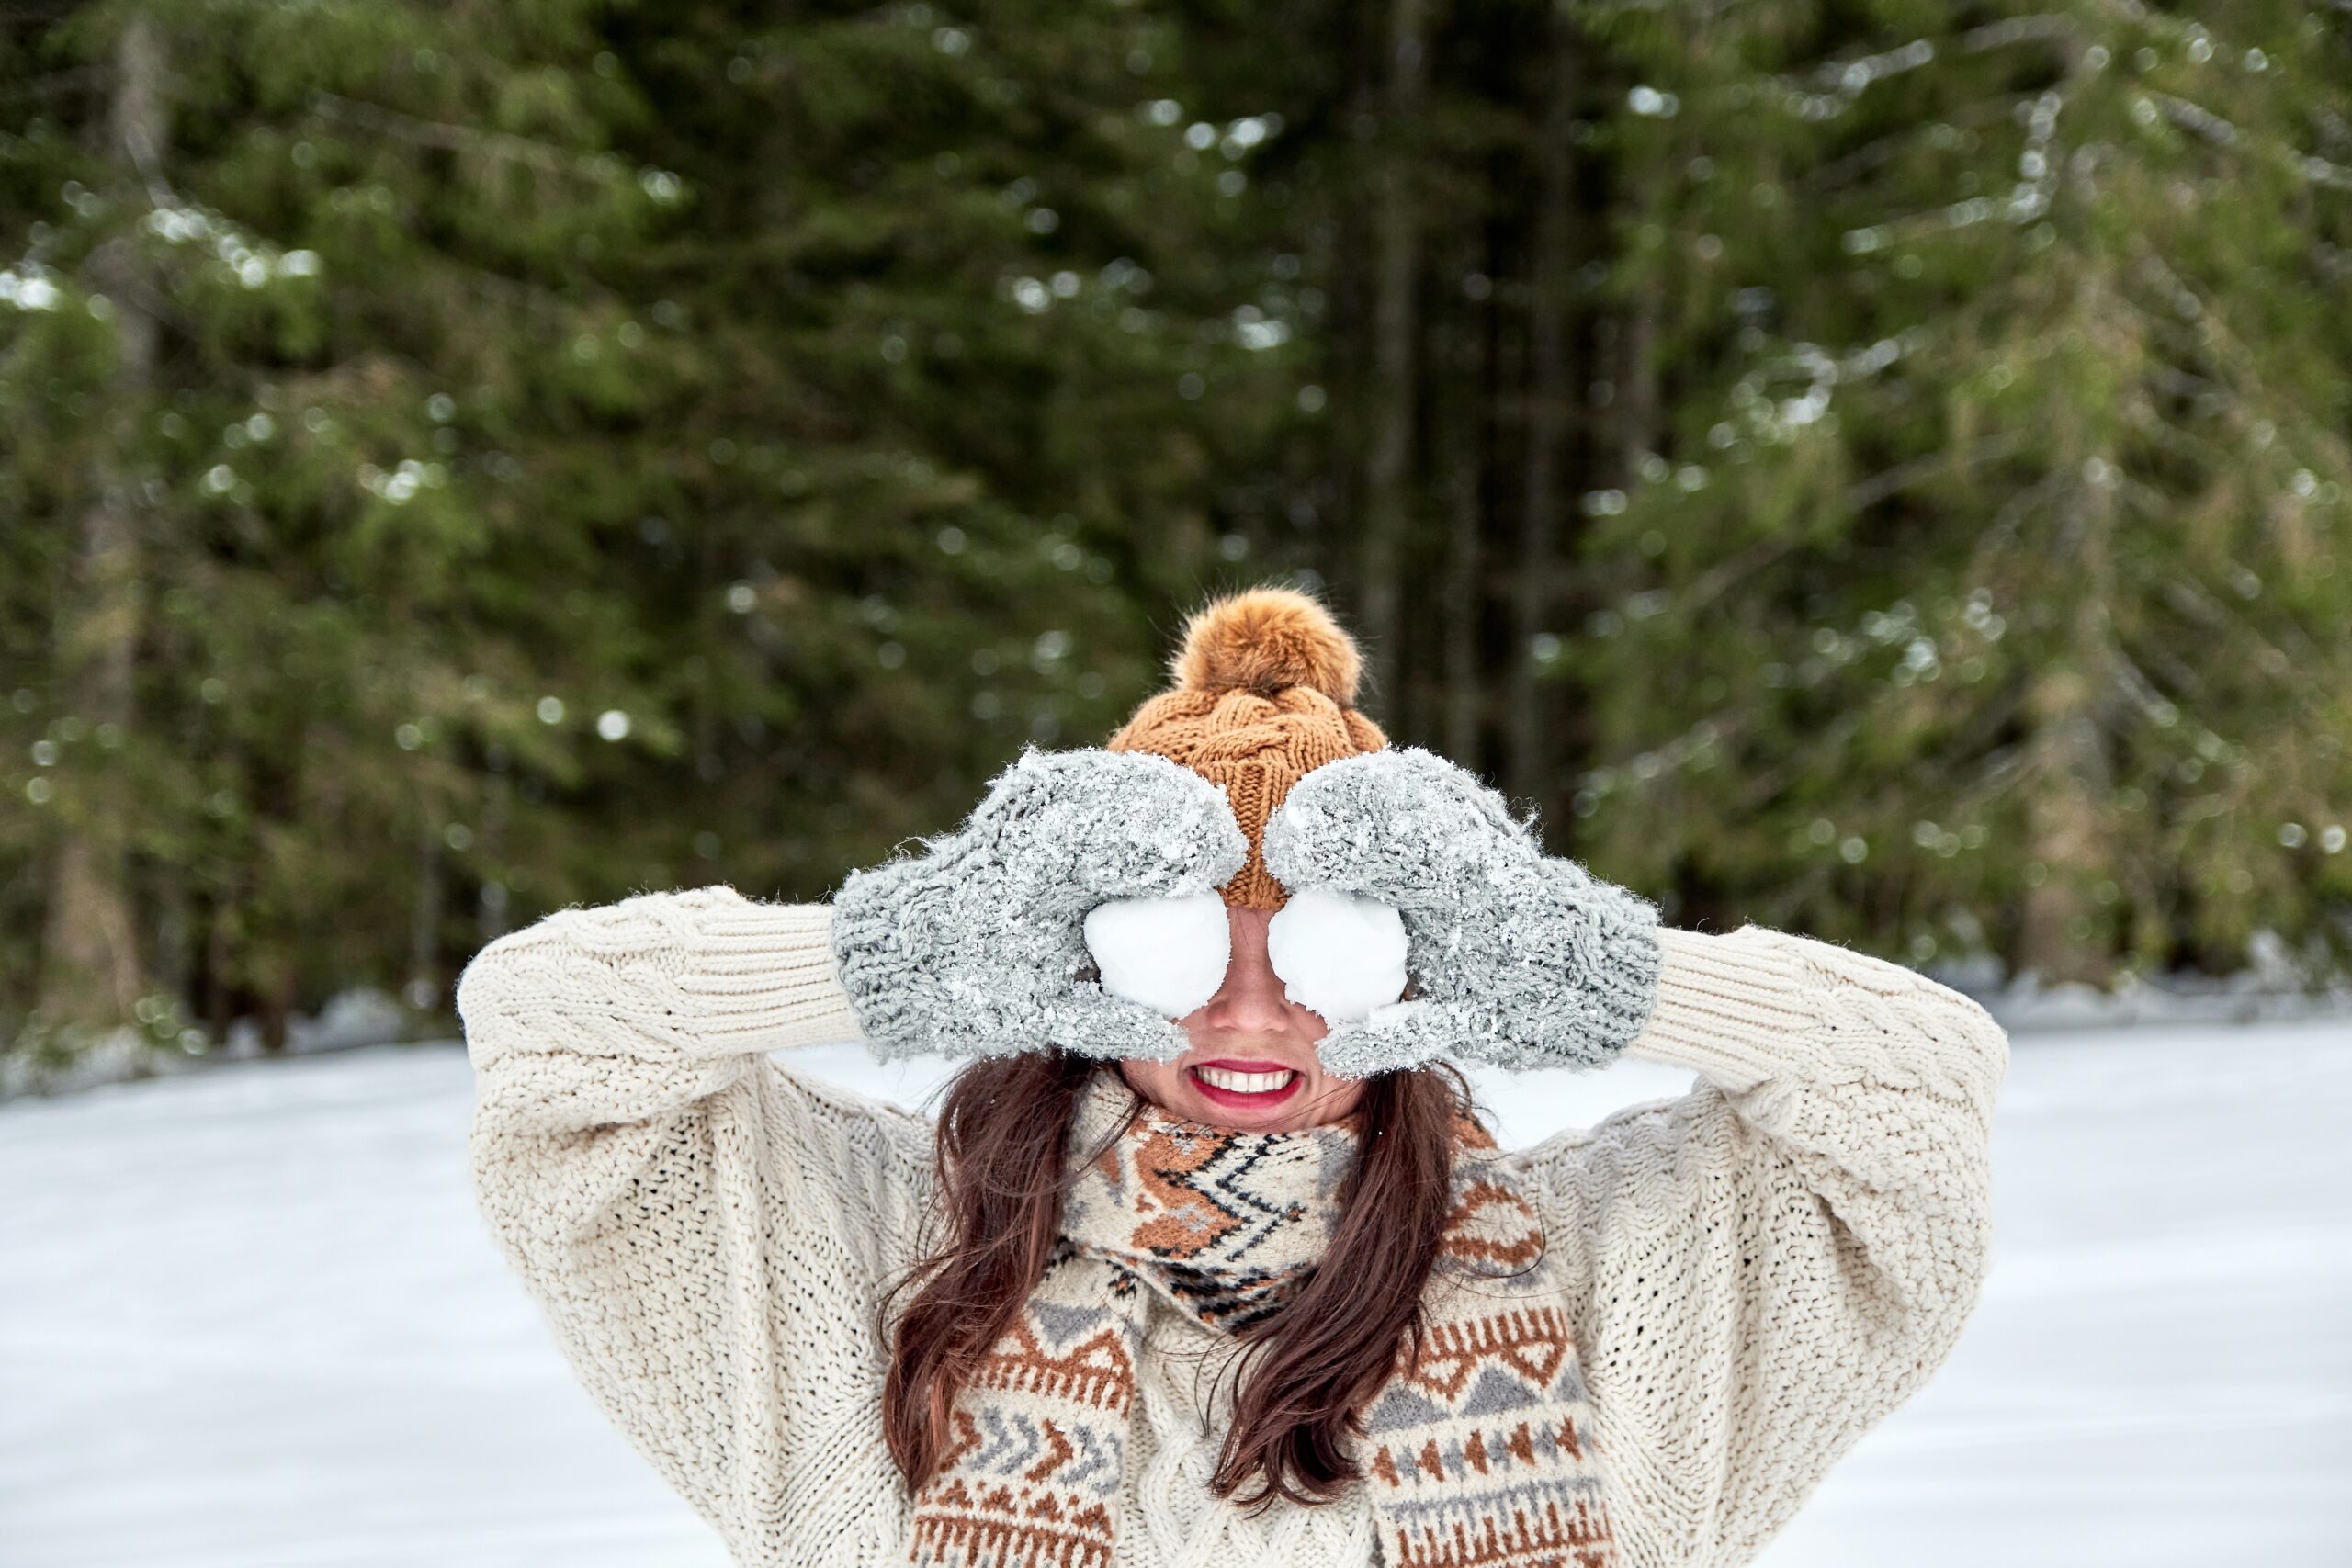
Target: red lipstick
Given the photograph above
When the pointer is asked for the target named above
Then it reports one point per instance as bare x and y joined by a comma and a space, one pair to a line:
1246, 1085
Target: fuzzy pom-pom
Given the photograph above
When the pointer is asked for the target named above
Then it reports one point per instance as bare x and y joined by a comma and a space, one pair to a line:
1337, 956
1168, 954
1267, 640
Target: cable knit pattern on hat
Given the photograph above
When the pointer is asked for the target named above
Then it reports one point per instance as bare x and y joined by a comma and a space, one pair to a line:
1265, 694
1753, 1274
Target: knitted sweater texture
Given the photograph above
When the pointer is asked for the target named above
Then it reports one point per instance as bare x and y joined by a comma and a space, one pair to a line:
1756, 1271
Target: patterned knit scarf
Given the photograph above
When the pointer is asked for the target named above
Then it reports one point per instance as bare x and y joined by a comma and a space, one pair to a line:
1479, 1456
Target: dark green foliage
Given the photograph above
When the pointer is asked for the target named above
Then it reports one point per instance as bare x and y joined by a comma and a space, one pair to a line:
1999, 537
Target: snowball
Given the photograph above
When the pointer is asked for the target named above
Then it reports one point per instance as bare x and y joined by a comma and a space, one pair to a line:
1168, 954
1337, 955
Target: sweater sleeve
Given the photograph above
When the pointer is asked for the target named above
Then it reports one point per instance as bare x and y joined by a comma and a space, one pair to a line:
707, 1232
1764, 1268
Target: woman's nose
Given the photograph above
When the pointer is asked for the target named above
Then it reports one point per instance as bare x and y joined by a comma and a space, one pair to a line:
1253, 995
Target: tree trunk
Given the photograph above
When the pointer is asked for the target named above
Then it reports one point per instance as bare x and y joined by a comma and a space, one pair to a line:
2069, 777
216, 1001
1464, 610
1639, 415
1388, 458
1528, 776
91, 974
491, 907
2064, 830
709, 766
276, 1001
424, 919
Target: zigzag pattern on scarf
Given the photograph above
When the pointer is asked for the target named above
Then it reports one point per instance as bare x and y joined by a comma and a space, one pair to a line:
1207, 1195
1227, 1301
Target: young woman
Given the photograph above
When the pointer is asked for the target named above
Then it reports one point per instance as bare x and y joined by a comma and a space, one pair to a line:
1207, 1259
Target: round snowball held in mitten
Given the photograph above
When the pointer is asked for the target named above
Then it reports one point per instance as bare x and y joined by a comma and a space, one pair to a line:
1168, 954
1337, 956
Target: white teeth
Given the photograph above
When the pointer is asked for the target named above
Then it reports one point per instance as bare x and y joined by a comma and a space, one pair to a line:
1246, 1083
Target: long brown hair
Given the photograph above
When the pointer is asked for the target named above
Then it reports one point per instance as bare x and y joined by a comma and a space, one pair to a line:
1305, 1372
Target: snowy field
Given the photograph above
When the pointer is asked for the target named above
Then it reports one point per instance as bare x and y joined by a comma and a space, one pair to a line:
248, 1319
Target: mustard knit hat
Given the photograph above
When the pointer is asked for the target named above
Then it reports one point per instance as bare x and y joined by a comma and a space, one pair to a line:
1265, 691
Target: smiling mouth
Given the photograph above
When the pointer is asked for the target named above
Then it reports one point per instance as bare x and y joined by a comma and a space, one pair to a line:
1245, 1085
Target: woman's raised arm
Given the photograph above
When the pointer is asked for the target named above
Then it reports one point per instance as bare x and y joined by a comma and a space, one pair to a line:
707, 1232
1765, 1267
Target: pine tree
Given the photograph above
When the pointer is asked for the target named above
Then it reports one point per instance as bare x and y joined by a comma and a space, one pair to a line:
1994, 562
305, 314
559, 474
963, 358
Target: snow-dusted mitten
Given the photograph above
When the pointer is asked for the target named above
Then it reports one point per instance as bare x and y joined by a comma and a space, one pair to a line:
1517, 957
977, 946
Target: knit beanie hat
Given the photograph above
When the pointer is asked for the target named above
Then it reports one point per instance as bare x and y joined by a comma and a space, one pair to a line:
1265, 692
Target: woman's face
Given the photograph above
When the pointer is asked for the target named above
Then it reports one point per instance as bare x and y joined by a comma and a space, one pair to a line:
1255, 1039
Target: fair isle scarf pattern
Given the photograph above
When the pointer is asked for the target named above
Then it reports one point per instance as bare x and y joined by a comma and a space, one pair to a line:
1479, 1454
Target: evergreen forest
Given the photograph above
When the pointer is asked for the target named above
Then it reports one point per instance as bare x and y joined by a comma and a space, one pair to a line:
1879, 468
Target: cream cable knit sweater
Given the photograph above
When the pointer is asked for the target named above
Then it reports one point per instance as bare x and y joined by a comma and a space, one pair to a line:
1760, 1269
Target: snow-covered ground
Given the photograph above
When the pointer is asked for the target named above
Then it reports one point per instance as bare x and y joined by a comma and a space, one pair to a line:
248, 1319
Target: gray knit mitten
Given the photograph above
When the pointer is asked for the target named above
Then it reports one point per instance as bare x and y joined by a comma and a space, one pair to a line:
977, 946
1516, 958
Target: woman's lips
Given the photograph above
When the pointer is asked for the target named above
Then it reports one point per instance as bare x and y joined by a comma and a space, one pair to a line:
1245, 1086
